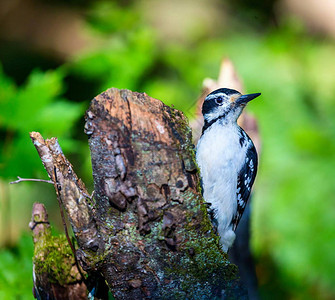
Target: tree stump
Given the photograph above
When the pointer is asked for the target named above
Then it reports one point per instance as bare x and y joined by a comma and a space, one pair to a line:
146, 231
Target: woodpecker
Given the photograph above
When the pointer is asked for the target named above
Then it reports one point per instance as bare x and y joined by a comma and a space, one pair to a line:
227, 160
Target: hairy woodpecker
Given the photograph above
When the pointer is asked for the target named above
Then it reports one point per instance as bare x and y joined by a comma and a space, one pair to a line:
227, 159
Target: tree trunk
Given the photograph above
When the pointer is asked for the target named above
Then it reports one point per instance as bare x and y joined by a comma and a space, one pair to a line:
146, 231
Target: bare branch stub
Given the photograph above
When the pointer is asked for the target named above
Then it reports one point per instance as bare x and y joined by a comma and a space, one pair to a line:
71, 189
149, 209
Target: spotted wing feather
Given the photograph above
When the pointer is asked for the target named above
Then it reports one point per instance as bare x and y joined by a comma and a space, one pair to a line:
245, 180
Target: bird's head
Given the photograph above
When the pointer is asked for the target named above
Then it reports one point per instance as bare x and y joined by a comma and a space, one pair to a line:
225, 103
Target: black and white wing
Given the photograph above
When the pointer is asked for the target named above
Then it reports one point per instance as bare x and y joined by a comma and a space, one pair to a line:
245, 180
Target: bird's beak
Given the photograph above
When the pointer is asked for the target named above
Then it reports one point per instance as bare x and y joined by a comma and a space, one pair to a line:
244, 99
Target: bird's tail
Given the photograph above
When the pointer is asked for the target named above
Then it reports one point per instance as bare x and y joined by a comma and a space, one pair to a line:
227, 238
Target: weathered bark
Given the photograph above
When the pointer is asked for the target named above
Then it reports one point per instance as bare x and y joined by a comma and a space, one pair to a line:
69, 187
147, 231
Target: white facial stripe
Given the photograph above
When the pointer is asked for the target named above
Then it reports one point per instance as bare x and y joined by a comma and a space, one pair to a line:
210, 97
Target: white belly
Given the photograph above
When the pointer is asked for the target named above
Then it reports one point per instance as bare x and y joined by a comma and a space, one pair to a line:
220, 157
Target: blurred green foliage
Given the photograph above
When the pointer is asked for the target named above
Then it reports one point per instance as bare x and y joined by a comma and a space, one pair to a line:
293, 208
127, 50
35, 106
16, 270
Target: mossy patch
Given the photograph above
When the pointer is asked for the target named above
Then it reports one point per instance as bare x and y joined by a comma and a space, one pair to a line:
202, 271
53, 256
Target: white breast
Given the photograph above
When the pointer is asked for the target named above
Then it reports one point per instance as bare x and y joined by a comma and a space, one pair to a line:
220, 158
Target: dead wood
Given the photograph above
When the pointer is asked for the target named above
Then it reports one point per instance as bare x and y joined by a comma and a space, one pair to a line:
146, 231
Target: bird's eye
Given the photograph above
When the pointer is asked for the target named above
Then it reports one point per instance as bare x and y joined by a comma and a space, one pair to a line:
219, 100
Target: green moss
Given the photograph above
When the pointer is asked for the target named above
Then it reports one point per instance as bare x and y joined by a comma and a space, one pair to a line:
203, 268
53, 256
